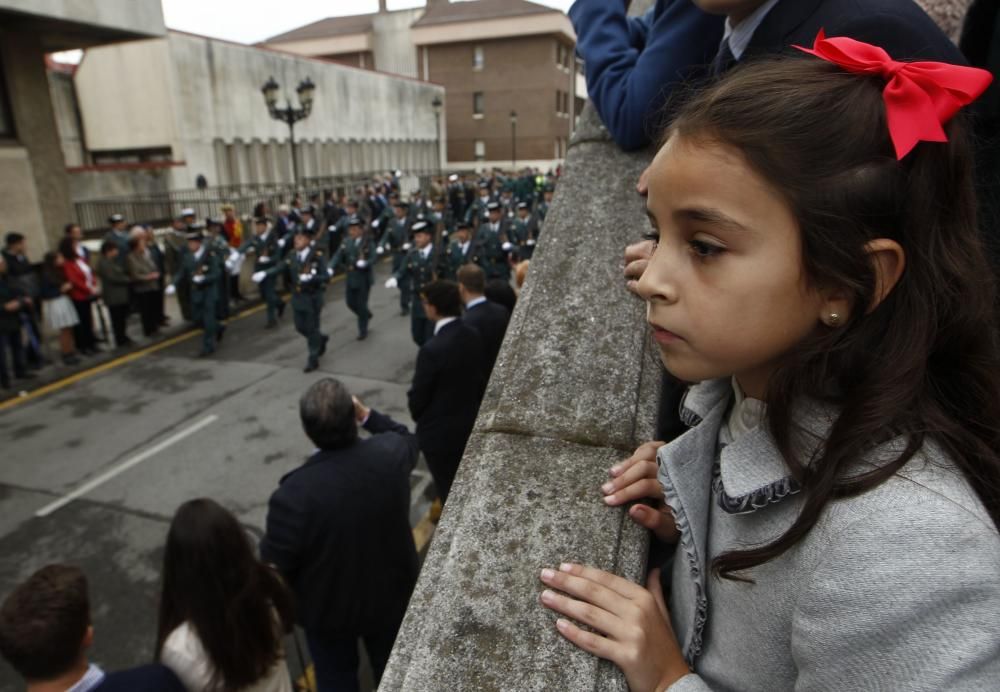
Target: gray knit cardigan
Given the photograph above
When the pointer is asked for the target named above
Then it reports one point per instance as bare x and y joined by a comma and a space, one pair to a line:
896, 589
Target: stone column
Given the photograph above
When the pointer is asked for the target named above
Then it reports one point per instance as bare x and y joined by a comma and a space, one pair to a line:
23, 60
575, 389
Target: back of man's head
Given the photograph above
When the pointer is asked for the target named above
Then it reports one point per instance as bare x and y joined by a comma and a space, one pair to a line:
444, 297
44, 623
327, 413
472, 278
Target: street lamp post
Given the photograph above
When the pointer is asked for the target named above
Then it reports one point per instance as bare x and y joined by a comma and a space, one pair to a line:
436, 103
513, 140
288, 114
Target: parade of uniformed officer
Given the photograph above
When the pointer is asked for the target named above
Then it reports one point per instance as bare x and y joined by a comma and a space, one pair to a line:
355, 257
267, 254
215, 242
309, 277
203, 269
477, 213
396, 239
422, 265
494, 243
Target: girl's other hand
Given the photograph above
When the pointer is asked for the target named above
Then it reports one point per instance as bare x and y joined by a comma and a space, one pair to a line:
635, 479
631, 624
636, 260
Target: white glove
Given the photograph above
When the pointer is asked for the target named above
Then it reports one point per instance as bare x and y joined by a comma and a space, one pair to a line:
198, 278
376, 222
281, 242
170, 290
531, 241
507, 247
263, 259
258, 277
391, 282
380, 250
444, 233
361, 264
305, 277
329, 271
406, 247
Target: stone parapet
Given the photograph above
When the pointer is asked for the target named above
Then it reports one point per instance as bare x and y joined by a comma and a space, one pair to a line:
575, 389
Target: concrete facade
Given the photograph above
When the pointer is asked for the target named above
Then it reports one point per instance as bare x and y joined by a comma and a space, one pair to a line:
34, 188
198, 99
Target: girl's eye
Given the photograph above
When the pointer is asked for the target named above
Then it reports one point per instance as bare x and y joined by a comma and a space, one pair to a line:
705, 250
653, 235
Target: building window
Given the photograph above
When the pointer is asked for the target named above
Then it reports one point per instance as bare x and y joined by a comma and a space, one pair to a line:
480, 151
558, 102
478, 109
565, 109
560, 49
478, 60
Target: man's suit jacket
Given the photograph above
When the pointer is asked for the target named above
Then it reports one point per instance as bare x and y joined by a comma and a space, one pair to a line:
447, 388
149, 678
338, 530
490, 320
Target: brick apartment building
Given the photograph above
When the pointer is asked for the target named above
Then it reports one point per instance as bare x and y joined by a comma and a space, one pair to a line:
493, 57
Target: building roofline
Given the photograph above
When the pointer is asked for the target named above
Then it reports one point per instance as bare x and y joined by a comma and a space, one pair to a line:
324, 61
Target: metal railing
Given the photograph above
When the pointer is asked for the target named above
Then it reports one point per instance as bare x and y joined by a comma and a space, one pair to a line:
160, 208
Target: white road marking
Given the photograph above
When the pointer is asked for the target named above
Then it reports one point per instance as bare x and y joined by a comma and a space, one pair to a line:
125, 466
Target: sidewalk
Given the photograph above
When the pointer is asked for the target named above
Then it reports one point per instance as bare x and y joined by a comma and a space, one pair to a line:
54, 370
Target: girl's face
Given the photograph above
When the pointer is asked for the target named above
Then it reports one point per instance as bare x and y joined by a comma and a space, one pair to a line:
725, 290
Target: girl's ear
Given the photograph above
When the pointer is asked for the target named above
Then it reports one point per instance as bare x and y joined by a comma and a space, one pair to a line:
888, 259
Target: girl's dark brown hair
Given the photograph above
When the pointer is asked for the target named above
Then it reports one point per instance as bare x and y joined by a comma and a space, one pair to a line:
923, 365
213, 581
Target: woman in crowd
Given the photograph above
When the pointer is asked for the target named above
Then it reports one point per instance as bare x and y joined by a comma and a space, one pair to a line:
114, 291
223, 613
145, 281
83, 291
57, 308
835, 503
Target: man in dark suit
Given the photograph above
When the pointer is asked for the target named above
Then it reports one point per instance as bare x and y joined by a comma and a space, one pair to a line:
489, 319
45, 632
447, 385
338, 530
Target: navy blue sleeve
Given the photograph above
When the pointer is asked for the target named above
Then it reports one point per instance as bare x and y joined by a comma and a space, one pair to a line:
632, 66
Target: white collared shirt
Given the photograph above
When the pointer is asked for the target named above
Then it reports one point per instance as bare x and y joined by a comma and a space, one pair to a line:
303, 254
465, 247
201, 251
426, 252
739, 36
475, 301
91, 679
442, 323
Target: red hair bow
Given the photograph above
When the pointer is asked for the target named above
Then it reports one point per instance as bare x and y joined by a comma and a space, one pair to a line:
920, 97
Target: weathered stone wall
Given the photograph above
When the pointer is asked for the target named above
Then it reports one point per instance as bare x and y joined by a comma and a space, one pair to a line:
575, 389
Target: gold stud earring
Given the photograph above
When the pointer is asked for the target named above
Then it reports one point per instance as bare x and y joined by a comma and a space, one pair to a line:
833, 320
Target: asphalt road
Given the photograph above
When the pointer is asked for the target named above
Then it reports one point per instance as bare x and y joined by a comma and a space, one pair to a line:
139, 438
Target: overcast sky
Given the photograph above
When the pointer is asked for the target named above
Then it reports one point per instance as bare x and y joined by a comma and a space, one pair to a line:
249, 22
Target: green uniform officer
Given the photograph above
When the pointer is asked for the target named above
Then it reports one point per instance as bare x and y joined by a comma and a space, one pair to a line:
421, 266
176, 248
461, 251
267, 255
309, 278
215, 242
355, 257
524, 232
494, 244
396, 239
203, 269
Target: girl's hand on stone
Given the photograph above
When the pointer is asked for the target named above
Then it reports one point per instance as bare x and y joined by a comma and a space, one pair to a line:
631, 623
635, 480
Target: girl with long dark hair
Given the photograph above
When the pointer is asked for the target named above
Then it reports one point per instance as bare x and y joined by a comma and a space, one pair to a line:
835, 505
60, 315
83, 291
223, 613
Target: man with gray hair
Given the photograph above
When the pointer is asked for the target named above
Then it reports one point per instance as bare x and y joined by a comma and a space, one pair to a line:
338, 530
